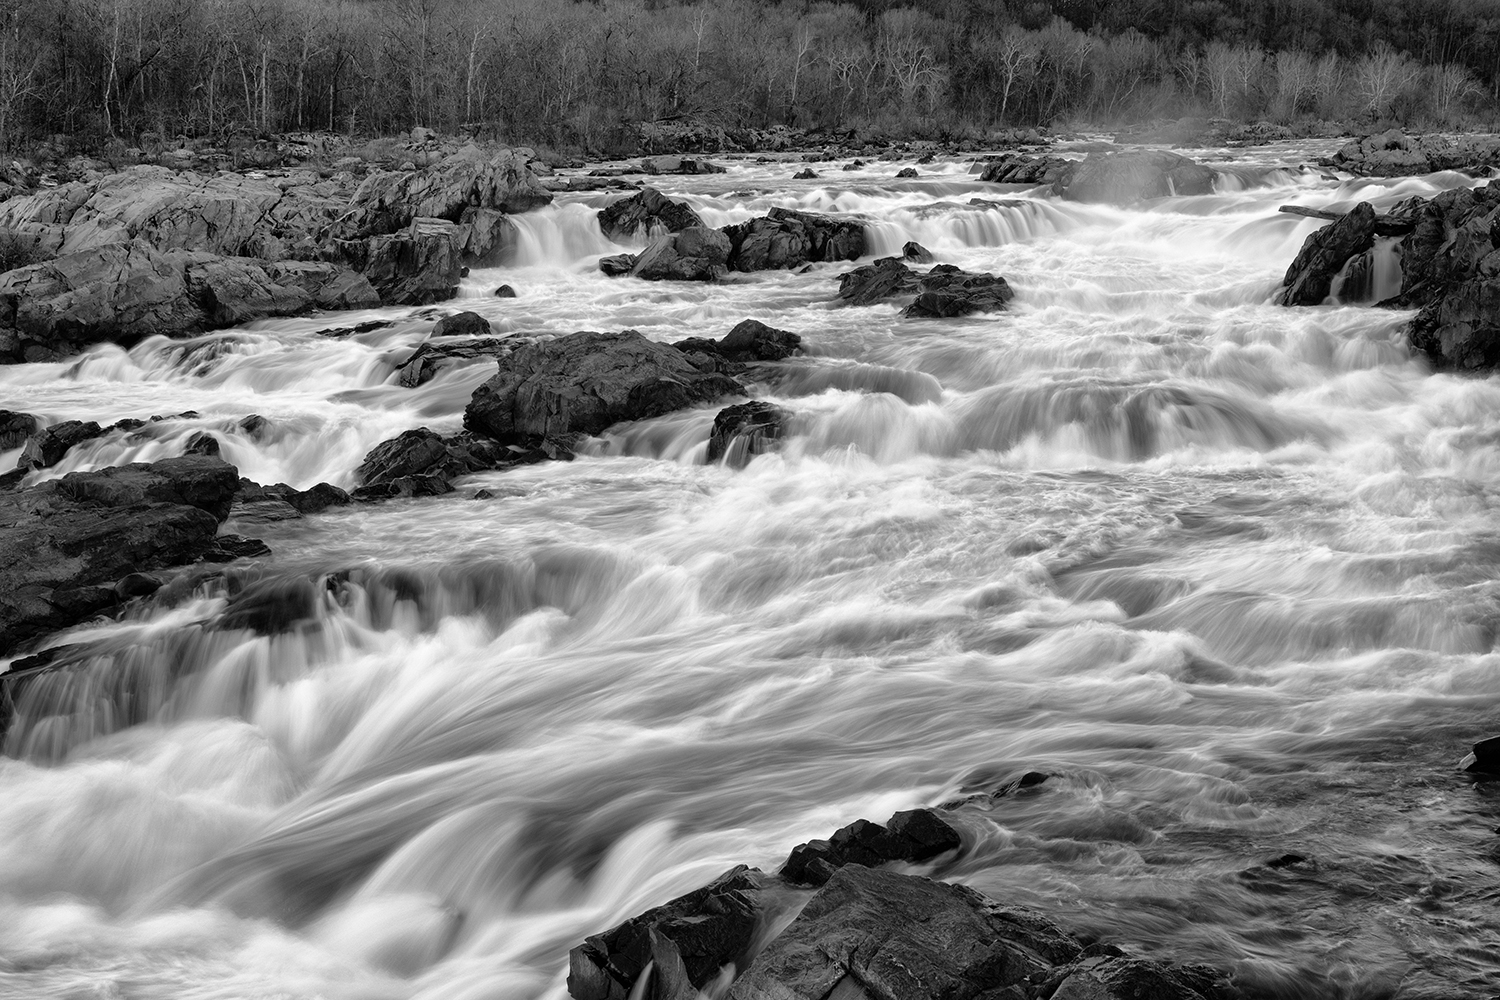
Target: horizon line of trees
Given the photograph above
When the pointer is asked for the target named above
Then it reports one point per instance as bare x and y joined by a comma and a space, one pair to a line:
584, 72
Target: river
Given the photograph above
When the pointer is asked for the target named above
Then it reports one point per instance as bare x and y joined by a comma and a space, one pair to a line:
1225, 571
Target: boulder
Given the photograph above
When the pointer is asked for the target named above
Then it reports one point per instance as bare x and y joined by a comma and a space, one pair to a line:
1394, 154
1124, 978
488, 238
946, 291
1125, 178
679, 165
916, 253
886, 936
391, 200
505, 292
46, 447
1484, 758
686, 942
785, 238
742, 431
695, 254
64, 543
1461, 329
906, 173
328, 286
1021, 168
750, 340
462, 324
916, 835
430, 359
648, 213
231, 291
884, 279
1310, 278
805, 174
585, 382
416, 456
15, 428
617, 264
416, 267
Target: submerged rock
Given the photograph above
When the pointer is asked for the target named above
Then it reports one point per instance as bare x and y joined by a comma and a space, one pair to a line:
585, 382
64, 543
646, 213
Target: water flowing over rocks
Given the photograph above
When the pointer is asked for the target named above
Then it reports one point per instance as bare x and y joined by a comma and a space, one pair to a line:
430, 359
64, 543
742, 431
647, 213
583, 383
389, 200
694, 254
421, 462
749, 340
785, 238
1450, 271
1125, 178
944, 291
1023, 168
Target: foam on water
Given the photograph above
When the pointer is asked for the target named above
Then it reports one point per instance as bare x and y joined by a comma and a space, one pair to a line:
1225, 571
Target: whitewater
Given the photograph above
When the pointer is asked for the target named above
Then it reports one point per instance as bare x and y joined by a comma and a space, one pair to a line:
1224, 571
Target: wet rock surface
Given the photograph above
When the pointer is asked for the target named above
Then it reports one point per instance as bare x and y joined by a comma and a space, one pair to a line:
944, 291
742, 431
786, 238
1393, 153
647, 213
750, 340
1126, 178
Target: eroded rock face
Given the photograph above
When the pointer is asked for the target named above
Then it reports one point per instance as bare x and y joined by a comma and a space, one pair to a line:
742, 431
750, 340
417, 266
947, 291
694, 254
583, 383
430, 359
389, 200
647, 213
422, 462
64, 543
1125, 178
1396, 154
887, 278
1022, 168
786, 238
1310, 278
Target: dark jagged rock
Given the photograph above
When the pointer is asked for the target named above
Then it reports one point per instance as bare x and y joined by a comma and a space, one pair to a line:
1125, 978
271, 607
15, 428
916, 835
906, 173
884, 279
64, 543
430, 359
404, 486
339, 332
585, 382
463, 324
409, 453
946, 291
805, 174
47, 447
1310, 278
750, 340
312, 500
615, 265
415, 456
916, 253
202, 443
415, 267
647, 213
1021, 168
228, 548
742, 431
505, 292
886, 936
686, 941
255, 426
785, 238
694, 254
1484, 758
1395, 154
1125, 178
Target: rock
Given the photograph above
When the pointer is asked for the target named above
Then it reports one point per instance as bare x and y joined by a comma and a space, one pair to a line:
1124, 978
64, 543
1323, 255
1020, 168
1484, 758
695, 254
686, 941
913, 387
946, 291
463, 324
648, 213
329, 286
805, 174
271, 607
615, 265
15, 428
430, 359
916, 835
750, 340
916, 253
505, 292
228, 548
255, 426
202, 443
416, 267
906, 172
1395, 154
785, 238
886, 936
291, 502
420, 453
391, 200
1125, 178
47, 447
584, 383
742, 431
1462, 328
404, 487
679, 165
488, 237
884, 279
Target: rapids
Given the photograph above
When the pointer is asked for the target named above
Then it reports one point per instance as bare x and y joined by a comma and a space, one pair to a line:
1226, 571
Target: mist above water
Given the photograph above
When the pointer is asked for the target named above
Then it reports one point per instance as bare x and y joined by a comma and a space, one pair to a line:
1225, 571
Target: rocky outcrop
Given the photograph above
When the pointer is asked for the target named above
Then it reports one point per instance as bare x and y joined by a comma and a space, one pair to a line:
15, 428
421, 462
865, 933
1022, 168
915, 835
585, 382
418, 266
1310, 278
943, 292
127, 291
487, 237
750, 340
786, 238
648, 213
742, 431
65, 543
389, 200
46, 447
1126, 178
430, 359
695, 254
462, 324
1396, 154
1450, 271
679, 165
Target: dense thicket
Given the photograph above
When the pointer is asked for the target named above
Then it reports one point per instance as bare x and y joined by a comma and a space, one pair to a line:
567, 72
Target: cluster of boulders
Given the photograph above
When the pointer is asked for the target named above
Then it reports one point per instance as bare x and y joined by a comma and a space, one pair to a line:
849, 927
157, 251
1450, 270
943, 291
1396, 154
1116, 178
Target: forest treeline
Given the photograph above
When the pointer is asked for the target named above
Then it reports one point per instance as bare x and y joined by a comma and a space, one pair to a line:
583, 73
